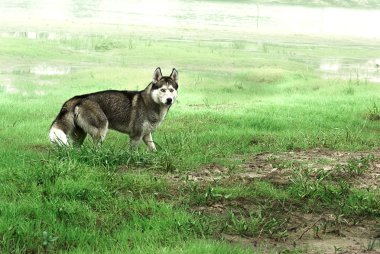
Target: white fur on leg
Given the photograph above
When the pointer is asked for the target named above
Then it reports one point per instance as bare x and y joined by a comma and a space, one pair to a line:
58, 137
149, 142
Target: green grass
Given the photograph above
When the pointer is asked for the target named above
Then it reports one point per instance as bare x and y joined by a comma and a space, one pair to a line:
235, 99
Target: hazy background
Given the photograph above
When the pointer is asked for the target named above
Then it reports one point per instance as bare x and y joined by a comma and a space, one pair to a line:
228, 16
322, 23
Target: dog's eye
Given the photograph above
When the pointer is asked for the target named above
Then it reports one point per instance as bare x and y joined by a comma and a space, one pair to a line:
171, 90
163, 90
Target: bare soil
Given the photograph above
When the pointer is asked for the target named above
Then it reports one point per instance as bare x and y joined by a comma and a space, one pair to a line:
308, 231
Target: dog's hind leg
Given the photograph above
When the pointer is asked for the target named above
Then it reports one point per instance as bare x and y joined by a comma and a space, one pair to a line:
92, 120
77, 136
58, 136
61, 127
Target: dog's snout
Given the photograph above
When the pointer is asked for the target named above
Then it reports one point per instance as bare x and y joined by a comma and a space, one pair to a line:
169, 101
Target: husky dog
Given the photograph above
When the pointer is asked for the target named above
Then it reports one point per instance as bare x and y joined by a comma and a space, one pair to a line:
137, 113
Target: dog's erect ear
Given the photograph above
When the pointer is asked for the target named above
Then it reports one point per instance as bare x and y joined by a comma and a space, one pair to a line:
157, 75
174, 75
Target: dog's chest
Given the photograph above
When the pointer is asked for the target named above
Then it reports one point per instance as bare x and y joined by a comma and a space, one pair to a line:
149, 126
153, 122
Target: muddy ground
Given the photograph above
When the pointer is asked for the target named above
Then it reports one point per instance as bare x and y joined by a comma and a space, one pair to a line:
307, 231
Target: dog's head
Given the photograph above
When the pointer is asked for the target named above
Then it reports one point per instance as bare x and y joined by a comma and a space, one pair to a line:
164, 88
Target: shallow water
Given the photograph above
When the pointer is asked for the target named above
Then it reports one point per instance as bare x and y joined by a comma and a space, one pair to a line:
48, 70
222, 21
364, 70
243, 16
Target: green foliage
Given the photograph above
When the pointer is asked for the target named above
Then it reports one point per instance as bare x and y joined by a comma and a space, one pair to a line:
255, 224
373, 113
334, 193
236, 99
357, 167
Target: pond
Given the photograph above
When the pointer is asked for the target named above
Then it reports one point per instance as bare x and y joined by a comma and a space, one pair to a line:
244, 16
198, 20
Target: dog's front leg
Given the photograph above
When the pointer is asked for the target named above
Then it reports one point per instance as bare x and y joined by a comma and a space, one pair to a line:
148, 140
134, 142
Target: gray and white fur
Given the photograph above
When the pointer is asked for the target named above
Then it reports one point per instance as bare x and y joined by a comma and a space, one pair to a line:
136, 113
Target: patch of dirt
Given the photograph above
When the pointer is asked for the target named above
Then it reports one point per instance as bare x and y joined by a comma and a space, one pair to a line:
209, 173
307, 231
277, 167
325, 245
361, 168
327, 233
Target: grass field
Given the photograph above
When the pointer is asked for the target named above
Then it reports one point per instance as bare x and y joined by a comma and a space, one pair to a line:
259, 154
